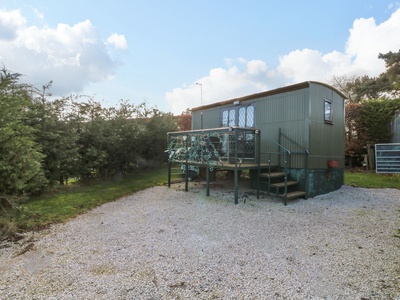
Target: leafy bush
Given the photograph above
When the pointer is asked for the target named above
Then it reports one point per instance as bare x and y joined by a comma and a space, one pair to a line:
47, 142
369, 122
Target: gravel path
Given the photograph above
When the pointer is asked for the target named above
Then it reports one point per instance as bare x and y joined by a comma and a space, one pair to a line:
167, 244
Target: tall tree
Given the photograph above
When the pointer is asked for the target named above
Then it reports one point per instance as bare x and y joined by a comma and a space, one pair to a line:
20, 156
56, 136
371, 104
390, 80
184, 121
386, 85
346, 85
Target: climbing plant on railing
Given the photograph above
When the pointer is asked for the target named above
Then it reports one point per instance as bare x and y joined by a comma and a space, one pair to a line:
199, 148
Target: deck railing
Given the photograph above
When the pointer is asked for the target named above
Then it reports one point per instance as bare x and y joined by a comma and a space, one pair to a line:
228, 147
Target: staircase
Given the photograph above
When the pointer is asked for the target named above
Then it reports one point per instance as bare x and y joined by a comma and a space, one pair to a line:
276, 177
278, 184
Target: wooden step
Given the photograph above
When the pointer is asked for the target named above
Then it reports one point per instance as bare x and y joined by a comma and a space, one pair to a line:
273, 174
269, 167
293, 195
282, 184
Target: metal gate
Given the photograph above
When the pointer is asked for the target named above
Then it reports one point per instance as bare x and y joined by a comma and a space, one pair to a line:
387, 158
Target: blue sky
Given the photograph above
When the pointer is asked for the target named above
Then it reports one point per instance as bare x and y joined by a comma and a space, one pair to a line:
157, 50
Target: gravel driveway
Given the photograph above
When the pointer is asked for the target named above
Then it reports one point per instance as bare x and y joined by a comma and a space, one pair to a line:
163, 243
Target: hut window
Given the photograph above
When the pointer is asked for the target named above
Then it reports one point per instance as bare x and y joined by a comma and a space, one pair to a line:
328, 111
250, 116
224, 122
228, 118
231, 121
246, 116
242, 116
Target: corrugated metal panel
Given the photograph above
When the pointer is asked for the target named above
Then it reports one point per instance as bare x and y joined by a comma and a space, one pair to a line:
196, 121
300, 115
326, 140
287, 112
283, 109
206, 119
396, 128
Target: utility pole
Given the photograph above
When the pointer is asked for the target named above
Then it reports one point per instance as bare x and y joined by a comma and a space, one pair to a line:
201, 102
201, 92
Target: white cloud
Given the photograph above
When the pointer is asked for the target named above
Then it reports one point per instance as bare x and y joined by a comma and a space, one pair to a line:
238, 79
256, 67
72, 56
365, 42
10, 22
118, 41
300, 63
360, 57
38, 14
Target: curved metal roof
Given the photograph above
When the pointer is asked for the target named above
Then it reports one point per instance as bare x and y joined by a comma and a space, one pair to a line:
281, 90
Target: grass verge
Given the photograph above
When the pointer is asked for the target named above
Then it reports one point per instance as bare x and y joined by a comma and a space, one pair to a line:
372, 180
69, 201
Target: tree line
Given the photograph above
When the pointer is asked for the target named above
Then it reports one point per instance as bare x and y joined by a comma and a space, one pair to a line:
45, 142
371, 106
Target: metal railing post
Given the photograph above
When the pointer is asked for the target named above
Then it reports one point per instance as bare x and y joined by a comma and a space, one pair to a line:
207, 181
269, 174
186, 164
169, 174
307, 190
258, 157
236, 174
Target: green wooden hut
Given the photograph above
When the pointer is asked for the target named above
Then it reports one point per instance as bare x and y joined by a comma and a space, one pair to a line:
299, 149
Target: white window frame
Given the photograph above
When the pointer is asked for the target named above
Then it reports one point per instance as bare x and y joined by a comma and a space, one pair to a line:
230, 116
328, 113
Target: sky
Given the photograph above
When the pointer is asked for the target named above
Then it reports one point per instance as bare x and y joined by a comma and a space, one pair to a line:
180, 54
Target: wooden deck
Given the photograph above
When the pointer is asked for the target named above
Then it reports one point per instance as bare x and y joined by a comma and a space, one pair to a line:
227, 166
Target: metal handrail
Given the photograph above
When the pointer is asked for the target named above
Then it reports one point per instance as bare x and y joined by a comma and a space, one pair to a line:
279, 145
305, 152
287, 158
287, 163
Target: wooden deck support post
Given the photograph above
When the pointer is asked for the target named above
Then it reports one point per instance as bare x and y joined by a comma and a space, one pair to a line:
207, 181
258, 157
236, 173
169, 165
169, 174
186, 165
